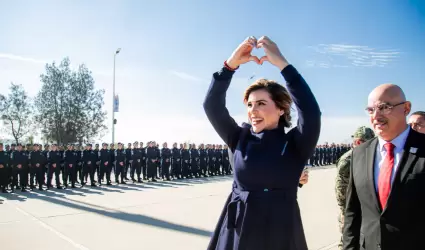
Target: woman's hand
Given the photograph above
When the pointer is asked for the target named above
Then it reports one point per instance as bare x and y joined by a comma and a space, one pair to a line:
272, 52
304, 178
242, 53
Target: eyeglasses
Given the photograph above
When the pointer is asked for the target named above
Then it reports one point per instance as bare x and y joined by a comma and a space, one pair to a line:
383, 108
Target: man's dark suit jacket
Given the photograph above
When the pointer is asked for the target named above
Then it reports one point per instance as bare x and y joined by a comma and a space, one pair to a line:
401, 224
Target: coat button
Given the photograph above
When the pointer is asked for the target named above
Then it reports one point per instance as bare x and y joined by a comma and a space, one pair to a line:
266, 190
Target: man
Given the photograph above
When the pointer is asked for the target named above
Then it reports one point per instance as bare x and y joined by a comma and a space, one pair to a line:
417, 121
4, 169
361, 135
37, 162
385, 196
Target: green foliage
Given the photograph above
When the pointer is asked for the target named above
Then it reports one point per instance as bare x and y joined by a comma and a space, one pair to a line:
16, 112
69, 108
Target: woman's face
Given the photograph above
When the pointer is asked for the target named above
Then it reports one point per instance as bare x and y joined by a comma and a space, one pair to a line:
262, 111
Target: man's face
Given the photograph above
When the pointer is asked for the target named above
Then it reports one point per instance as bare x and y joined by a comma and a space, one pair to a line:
387, 115
417, 122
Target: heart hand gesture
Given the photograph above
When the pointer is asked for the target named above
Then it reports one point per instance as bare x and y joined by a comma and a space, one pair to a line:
242, 54
273, 54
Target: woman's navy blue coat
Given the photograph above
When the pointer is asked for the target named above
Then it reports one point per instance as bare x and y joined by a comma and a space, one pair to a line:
262, 212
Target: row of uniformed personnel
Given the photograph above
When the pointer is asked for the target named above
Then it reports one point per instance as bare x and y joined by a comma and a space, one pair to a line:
16, 163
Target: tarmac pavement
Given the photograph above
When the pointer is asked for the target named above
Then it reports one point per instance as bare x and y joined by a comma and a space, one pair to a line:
163, 215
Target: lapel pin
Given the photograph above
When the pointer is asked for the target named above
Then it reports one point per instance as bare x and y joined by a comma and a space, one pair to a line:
413, 150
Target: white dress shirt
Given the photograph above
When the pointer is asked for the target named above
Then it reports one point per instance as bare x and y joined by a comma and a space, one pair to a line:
381, 152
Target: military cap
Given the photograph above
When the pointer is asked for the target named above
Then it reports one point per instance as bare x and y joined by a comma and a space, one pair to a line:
103, 144
88, 144
119, 143
97, 144
1, 144
46, 145
136, 142
13, 145
363, 133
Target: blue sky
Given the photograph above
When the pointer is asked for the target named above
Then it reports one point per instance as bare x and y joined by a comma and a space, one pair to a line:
170, 49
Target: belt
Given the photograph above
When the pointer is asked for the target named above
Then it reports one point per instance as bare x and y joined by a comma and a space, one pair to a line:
236, 209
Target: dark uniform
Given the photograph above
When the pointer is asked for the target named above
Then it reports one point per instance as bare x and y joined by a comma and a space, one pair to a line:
152, 157
165, 162
136, 166
185, 163
37, 161
19, 161
203, 160
89, 164
70, 159
4, 169
194, 161
54, 159
176, 161
226, 162
120, 162
128, 161
105, 165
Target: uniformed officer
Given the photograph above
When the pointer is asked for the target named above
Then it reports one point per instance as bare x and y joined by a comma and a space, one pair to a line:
128, 161
203, 160
361, 135
165, 162
152, 158
120, 161
54, 159
37, 162
105, 164
176, 161
136, 158
4, 169
19, 162
226, 162
143, 161
70, 158
194, 161
186, 162
89, 164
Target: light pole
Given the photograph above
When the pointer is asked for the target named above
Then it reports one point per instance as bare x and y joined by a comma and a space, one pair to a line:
113, 99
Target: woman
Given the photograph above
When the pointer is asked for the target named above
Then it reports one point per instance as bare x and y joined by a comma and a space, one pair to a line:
262, 212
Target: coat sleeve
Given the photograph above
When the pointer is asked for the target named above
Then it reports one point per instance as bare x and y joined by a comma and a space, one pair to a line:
216, 111
308, 127
352, 218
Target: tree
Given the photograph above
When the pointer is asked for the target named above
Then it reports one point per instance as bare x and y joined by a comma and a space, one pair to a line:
15, 112
69, 107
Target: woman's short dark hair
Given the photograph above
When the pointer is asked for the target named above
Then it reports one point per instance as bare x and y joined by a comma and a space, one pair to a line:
278, 94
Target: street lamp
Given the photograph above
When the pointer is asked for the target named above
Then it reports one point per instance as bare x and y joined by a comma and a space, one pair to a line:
113, 99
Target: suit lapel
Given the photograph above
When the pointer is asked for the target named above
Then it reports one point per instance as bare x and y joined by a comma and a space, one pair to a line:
406, 163
409, 156
370, 165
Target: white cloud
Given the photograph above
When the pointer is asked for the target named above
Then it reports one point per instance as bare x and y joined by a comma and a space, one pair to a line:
21, 58
343, 55
185, 76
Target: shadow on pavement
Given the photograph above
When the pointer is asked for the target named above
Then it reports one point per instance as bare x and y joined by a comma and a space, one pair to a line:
108, 212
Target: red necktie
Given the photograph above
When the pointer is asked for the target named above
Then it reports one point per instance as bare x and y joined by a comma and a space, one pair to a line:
384, 179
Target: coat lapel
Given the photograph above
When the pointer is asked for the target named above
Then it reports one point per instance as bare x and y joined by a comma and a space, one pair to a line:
407, 161
409, 156
370, 163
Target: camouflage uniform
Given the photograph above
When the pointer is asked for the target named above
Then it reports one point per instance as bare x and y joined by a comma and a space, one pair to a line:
343, 174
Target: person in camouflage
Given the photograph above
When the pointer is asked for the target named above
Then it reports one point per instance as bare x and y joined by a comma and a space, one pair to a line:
362, 134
